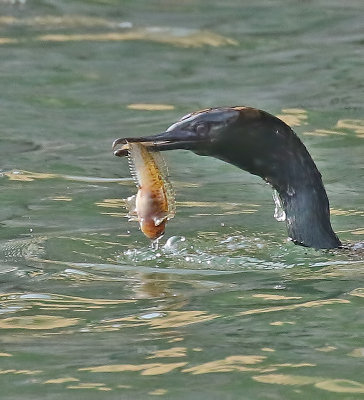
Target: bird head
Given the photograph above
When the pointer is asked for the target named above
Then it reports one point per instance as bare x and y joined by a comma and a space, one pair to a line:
246, 137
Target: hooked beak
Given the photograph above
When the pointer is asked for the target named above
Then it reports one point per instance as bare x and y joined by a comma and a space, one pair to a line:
169, 140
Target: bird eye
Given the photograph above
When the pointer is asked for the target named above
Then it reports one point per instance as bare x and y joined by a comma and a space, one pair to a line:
202, 129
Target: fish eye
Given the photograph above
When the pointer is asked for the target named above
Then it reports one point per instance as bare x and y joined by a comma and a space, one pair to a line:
201, 128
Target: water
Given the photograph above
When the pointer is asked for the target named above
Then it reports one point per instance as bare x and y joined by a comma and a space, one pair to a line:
225, 307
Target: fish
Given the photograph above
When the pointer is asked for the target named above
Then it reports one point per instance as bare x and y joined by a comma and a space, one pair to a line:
154, 203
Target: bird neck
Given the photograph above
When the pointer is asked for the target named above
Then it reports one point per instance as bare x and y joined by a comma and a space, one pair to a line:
269, 148
305, 203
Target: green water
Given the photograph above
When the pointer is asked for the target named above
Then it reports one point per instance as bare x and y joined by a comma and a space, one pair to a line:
226, 308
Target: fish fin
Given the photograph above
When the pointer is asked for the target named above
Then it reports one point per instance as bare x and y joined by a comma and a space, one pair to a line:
160, 163
130, 204
164, 174
159, 220
132, 168
171, 199
136, 160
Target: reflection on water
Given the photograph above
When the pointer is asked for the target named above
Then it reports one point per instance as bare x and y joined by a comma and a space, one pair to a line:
26, 176
61, 198
56, 22
170, 319
151, 107
37, 322
172, 36
356, 125
335, 211
276, 297
357, 353
146, 369
357, 292
29, 176
90, 385
331, 385
232, 363
19, 372
7, 41
182, 37
323, 133
293, 116
172, 352
297, 117
317, 303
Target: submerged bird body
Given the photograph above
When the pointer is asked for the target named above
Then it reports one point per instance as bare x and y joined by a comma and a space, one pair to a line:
153, 204
263, 145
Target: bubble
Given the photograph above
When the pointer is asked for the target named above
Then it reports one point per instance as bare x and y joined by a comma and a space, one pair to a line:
172, 244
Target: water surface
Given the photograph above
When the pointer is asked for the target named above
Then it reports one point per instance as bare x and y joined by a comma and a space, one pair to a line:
226, 307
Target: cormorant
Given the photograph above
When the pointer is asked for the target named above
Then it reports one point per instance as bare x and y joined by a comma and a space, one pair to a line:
263, 145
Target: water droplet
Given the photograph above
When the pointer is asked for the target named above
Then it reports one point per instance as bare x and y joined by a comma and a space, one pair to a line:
172, 243
279, 287
291, 191
151, 315
279, 213
155, 244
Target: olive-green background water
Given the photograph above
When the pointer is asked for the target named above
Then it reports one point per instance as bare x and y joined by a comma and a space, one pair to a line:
226, 308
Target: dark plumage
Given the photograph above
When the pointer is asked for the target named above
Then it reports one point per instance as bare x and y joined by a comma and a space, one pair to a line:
263, 145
